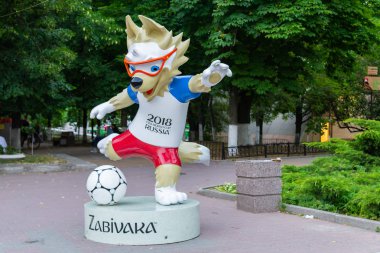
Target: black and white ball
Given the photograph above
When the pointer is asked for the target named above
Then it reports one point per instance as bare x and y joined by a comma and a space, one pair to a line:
106, 185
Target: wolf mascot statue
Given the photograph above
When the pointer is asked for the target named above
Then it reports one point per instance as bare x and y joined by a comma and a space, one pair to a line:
163, 96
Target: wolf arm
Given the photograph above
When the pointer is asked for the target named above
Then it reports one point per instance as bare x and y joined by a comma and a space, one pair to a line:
210, 77
124, 99
121, 100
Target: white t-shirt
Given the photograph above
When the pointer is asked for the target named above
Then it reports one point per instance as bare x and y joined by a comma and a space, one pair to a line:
161, 122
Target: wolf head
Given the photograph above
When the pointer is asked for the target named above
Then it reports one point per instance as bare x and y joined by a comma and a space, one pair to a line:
153, 57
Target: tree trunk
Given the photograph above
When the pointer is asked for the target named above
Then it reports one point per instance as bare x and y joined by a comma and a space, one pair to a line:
299, 117
233, 114
15, 133
48, 132
212, 118
244, 118
200, 120
124, 118
244, 108
259, 128
233, 106
49, 117
200, 131
78, 112
240, 113
98, 129
92, 129
84, 123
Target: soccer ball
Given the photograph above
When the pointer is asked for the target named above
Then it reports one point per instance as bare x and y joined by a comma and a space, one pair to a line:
106, 185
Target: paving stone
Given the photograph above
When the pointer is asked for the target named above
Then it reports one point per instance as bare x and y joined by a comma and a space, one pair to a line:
11, 169
46, 168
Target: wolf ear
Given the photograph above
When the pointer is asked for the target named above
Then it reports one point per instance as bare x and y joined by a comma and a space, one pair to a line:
132, 29
152, 29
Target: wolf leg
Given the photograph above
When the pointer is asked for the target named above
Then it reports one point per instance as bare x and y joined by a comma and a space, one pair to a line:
166, 179
191, 152
105, 147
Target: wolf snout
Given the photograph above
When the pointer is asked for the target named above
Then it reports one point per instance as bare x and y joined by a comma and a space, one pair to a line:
136, 82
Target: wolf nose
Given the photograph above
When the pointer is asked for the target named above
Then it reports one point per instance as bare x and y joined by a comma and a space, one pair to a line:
136, 82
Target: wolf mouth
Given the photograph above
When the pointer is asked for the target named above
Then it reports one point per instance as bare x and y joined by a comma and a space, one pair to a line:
150, 91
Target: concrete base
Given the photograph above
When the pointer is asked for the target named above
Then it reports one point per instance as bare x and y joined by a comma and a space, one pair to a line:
259, 204
14, 156
141, 221
258, 185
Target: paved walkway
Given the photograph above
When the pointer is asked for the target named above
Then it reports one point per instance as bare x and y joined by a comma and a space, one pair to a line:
44, 213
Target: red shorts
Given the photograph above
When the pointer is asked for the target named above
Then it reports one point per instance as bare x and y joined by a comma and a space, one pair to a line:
127, 145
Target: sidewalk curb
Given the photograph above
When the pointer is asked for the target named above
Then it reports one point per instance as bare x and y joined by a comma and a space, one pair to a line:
209, 192
299, 210
334, 217
73, 164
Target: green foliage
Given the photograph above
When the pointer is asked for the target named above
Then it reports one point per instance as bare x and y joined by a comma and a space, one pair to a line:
9, 150
365, 123
334, 184
366, 203
369, 142
35, 159
285, 55
56, 55
328, 189
34, 52
363, 150
227, 187
346, 182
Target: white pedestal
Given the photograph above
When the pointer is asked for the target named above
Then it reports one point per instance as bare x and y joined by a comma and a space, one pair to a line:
141, 221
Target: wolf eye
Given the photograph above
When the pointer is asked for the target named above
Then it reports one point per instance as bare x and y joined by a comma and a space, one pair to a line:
132, 68
154, 68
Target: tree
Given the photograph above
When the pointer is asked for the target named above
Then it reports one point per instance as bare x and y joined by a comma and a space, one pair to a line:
93, 73
286, 56
270, 46
261, 41
34, 52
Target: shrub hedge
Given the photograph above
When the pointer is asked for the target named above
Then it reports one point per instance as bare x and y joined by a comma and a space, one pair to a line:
347, 182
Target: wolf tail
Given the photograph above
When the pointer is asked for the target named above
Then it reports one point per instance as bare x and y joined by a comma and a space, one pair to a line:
191, 152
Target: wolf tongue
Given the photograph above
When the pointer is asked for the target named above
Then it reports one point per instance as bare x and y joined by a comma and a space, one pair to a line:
149, 91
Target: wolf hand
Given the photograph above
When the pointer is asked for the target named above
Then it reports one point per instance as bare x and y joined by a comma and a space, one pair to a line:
215, 73
101, 110
102, 144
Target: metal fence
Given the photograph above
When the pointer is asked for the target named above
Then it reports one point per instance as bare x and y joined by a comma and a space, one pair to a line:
220, 151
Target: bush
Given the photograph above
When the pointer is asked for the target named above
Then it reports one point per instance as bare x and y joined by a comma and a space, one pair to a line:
343, 191
366, 203
369, 142
9, 151
346, 182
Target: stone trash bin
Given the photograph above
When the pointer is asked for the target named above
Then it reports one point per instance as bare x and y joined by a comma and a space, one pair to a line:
258, 185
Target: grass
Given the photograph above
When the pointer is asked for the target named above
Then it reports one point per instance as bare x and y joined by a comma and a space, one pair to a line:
331, 184
334, 184
34, 159
227, 188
